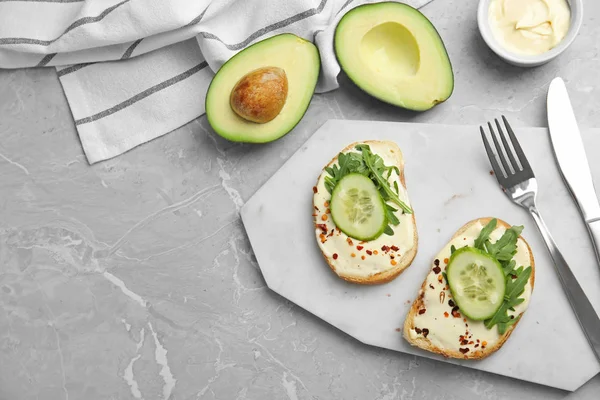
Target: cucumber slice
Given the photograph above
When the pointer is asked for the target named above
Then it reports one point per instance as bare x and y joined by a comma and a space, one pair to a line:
476, 282
357, 208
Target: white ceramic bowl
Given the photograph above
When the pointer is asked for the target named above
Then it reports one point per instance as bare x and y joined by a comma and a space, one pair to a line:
527, 60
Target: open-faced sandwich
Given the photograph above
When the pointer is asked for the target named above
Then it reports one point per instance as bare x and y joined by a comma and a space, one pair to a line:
476, 292
364, 224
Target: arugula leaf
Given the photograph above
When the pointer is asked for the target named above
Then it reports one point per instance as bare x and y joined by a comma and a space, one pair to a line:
484, 235
371, 165
514, 288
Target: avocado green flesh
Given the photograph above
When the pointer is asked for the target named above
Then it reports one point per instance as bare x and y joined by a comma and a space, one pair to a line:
393, 52
300, 61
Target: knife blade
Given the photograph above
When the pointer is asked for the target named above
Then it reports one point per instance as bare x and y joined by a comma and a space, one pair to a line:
571, 158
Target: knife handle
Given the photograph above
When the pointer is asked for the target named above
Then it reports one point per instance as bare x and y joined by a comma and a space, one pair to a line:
583, 309
594, 230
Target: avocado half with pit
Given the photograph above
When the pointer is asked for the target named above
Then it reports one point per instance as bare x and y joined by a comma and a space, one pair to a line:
393, 52
262, 92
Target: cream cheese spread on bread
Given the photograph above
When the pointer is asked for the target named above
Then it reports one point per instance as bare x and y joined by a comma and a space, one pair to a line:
353, 258
439, 319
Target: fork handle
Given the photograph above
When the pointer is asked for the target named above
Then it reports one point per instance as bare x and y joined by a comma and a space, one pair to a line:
584, 311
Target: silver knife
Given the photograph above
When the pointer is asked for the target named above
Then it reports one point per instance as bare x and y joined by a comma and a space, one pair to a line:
572, 161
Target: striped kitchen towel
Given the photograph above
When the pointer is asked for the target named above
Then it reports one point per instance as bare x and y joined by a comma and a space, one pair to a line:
133, 70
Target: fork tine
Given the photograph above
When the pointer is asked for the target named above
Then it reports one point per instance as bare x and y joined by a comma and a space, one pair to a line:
507, 148
491, 155
499, 151
516, 146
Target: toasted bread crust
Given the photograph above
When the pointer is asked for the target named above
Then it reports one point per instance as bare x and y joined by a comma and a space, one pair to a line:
406, 259
425, 344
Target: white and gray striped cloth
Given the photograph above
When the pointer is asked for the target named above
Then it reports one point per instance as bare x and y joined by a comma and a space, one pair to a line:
133, 70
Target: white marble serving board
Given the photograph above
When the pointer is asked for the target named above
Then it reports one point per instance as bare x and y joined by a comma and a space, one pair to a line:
449, 183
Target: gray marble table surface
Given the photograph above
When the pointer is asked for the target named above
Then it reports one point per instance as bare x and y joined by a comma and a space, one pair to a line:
133, 278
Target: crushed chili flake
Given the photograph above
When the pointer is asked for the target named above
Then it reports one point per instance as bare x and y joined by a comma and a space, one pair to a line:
477, 340
369, 252
422, 311
464, 320
471, 342
436, 262
446, 314
375, 252
464, 351
476, 346
417, 330
455, 314
491, 172
350, 242
324, 217
431, 286
385, 248
437, 270
451, 303
440, 278
326, 204
315, 189
328, 211
395, 248
314, 215
335, 256
359, 247
393, 262
460, 338
464, 342
331, 234
353, 255
362, 257
425, 332
484, 343
316, 208
322, 227
445, 261
392, 257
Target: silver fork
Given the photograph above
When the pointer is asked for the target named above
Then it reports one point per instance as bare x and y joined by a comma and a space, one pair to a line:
519, 184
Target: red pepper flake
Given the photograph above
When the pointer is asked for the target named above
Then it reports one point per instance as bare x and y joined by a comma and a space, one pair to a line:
436, 262
431, 286
393, 262
350, 242
322, 227
385, 248
392, 257
335, 256
460, 338
477, 340
398, 330
328, 211
362, 257
464, 351
445, 260
331, 234
491, 172
464, 320
425, 332
417, 330
484, 343
455, 312
353, 255
422, 311
314, 215
315, 189
395, 248
451, 303
440, 278
446, 314
359, 247
324, 217
437, 270
464, 342
476, 346
375, 252
471, 342
326, 204
316, 208
369, 252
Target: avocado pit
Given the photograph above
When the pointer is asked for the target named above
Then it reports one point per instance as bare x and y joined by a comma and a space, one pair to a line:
260, 95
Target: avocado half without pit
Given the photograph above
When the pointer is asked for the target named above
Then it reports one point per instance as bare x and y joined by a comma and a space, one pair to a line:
393, 52
263, 91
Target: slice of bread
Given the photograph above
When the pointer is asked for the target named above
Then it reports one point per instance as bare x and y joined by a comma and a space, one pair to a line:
429, 341
390, 263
